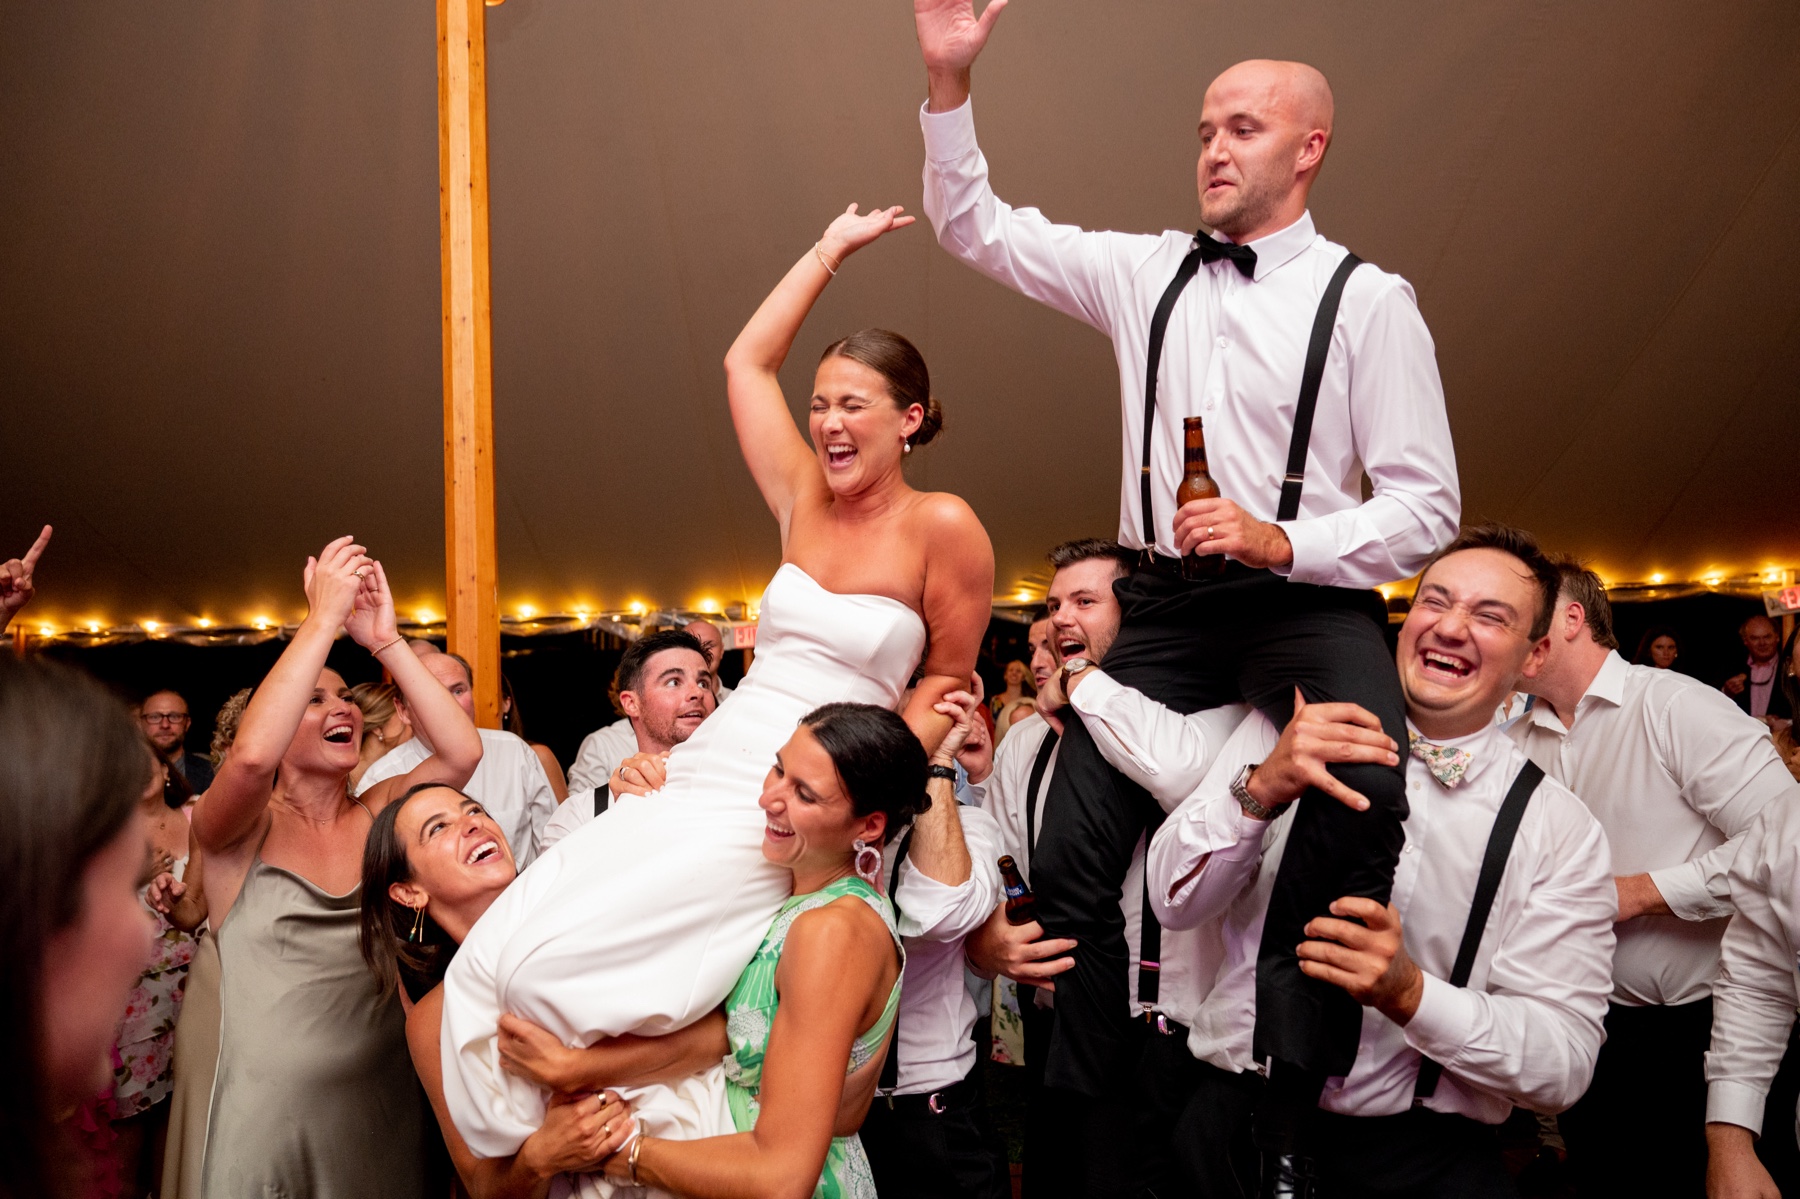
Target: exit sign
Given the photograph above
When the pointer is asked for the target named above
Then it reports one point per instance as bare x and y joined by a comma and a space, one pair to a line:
1785, 602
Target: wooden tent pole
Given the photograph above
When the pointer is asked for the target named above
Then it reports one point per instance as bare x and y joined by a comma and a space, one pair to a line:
471, 585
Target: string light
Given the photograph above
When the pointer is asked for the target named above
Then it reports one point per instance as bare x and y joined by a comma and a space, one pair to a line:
261, 623
150, 626
45, 630
709, 605
636, 607
425, 616
1023, 595
1657, 578
526, 611
204, 623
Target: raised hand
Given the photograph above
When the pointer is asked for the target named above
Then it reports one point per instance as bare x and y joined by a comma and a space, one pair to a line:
165, 892
371, 623
951, 36
333, 580
16, 585
852, 230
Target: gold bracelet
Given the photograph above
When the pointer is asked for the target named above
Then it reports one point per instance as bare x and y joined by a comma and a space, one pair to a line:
631, 1159
825, 260
380, 650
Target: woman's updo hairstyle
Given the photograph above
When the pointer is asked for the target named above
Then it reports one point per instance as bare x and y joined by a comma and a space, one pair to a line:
899, 362
878, 757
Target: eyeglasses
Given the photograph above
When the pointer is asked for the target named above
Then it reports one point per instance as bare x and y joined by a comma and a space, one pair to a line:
165, 717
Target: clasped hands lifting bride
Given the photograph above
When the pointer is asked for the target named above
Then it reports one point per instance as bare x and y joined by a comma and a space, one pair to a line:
735, 885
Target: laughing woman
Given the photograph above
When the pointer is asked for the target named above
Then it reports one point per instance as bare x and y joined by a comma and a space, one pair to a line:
311, 1094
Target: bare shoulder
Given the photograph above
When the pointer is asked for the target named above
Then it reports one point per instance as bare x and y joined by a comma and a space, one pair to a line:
946, 512
845, 929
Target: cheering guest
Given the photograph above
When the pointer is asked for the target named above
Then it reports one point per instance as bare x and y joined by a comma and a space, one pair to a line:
1758, 689
1483, 981
816, 1002
513, 721
17, 579
1358, 399
310, 1093
1658, 648
509, 781
665, 684
166, 720
1676, 776
434, 863
75, 938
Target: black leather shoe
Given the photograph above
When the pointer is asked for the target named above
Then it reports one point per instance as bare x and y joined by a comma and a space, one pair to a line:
1287, 1176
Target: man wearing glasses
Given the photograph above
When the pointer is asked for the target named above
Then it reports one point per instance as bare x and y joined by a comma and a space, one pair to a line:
165, 717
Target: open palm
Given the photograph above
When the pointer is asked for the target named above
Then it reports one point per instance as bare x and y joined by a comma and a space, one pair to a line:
950, 34
853, 230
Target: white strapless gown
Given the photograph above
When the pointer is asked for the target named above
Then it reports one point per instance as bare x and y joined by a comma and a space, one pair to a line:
642, 920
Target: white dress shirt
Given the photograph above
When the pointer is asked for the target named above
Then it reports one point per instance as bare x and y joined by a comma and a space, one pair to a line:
937, 1013
1234, 353
570, 815
1527, 1028
1675, 773
1162, 751
601, 752
1757, 989
510, 783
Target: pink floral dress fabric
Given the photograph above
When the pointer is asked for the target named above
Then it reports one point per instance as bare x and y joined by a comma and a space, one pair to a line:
143, 1054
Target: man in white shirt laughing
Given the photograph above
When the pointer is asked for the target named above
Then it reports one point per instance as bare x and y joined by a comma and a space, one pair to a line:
1676, 774
1468, 1010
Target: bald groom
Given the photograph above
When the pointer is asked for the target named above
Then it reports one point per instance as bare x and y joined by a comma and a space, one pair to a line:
1309, 375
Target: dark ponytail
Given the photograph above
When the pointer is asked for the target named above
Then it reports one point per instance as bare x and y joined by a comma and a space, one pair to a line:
878, 757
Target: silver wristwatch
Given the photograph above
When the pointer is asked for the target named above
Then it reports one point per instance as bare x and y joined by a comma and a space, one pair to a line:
1073, 666
1240, 791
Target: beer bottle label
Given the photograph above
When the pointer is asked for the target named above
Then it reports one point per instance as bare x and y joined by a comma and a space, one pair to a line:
1015, 891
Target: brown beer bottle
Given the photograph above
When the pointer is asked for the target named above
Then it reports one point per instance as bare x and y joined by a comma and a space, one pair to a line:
1197, 484
1021, 908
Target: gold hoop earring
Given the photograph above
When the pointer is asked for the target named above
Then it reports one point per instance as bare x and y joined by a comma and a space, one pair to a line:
418, 928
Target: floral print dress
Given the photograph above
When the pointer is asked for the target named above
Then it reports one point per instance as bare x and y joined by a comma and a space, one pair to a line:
143, 1070
750, 1014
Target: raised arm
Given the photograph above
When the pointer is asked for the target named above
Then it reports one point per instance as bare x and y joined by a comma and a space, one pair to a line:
232, 809
959, 601
455, 743
773, 448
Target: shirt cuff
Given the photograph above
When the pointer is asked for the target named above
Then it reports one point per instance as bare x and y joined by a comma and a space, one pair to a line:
1441, 1027
1683, 888
930, 903
1230, 835
1729, 1102
1315, 552
948, 135
1097, 687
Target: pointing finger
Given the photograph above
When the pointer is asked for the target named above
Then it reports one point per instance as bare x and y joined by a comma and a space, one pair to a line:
37, 549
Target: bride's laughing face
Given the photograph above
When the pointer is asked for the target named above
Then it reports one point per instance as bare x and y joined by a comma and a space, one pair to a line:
858, 431
811, 821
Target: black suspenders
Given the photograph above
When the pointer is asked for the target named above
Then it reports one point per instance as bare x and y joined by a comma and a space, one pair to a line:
1042, 763
890, 1069
1317, 350
1487, 885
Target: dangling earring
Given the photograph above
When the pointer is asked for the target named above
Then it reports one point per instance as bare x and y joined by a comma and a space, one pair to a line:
418, 928
868, 863
906, 447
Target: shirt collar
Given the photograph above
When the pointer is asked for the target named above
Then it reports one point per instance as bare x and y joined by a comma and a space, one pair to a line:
1280, 247
1608, 686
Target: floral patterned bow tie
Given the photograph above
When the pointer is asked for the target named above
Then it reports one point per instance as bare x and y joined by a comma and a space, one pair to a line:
1447, 764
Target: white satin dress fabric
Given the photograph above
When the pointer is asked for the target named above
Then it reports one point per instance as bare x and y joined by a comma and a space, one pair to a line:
642, 920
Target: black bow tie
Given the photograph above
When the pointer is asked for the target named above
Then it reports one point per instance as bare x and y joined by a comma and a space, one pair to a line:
1242, 257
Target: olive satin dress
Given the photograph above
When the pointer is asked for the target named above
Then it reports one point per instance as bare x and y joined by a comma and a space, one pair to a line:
314, 1095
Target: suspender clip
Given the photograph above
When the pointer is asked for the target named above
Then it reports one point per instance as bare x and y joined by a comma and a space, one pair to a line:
1292, 478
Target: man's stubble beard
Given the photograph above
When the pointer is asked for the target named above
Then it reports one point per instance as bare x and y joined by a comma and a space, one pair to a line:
1256, 200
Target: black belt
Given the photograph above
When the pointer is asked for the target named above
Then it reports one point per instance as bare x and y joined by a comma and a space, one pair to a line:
935, 1103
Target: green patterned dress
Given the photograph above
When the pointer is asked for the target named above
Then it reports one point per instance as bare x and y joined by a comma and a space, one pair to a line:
750, 1014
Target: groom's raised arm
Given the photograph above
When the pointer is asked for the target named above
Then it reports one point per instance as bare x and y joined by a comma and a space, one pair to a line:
1072, 270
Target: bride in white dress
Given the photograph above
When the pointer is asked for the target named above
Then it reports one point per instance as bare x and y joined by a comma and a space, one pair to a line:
643, 919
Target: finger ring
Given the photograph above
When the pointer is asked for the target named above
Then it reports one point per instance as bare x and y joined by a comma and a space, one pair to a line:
362, 572
1209, 532
606, 1128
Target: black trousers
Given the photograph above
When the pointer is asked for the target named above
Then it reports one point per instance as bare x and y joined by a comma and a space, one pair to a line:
1418, 1154
1649, 1090
1252, 636
1163, 1082
952, 1153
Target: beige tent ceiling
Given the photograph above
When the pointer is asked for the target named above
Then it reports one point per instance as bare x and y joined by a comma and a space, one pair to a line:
219, 271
